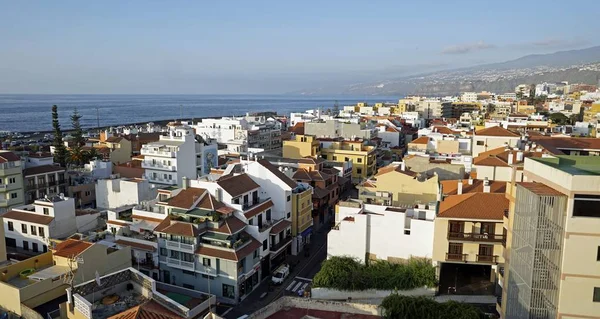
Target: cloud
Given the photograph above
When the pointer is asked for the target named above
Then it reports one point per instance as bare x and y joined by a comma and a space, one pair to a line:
552, 43
467, 48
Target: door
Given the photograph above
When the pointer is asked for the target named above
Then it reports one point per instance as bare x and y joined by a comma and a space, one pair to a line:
166, 277
11, 242
455, 252
25, 245
34, 247
487, 228
486, 253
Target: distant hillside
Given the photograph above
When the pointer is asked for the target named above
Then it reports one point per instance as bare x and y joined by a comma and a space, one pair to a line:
575, 66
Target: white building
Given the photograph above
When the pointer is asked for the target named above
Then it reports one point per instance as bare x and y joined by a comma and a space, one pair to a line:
381, 232
468, 97
119, 192
240, 133
98, 168
29, 227
308, 116
507, 96
178, 154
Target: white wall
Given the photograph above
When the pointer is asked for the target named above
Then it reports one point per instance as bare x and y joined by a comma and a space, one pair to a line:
19, 236
114, 193
274, 187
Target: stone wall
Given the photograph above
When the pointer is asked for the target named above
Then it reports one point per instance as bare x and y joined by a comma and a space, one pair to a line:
314, 304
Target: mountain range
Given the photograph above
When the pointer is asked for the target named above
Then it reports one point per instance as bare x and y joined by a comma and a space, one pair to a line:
574, 66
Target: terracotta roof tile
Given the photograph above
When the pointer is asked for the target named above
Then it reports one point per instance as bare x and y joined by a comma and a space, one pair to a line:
284, 178
215, 252
444, 130
43, 169
258, 209
230, 226
496, 131
149, 219
450, 187
114, 139
236, 185
395, 168
540, 189
486, 206
421, 140
186, 198
555, 144
71, 248
181, 229
297, 129
148, 310
8, 157
280, 226
489, 161
135, 245
28, 217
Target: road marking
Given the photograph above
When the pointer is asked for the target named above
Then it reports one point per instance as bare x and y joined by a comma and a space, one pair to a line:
291, 285
302, 278
297, 286
304, 286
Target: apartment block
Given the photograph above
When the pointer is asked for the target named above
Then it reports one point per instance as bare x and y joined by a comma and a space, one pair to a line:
42, 180
372, 232
492, 138
178, 153
301, 146
11, 181
554, 240
338, 128
362, 156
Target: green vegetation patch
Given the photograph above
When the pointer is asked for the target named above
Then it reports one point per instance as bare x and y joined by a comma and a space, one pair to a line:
398, 307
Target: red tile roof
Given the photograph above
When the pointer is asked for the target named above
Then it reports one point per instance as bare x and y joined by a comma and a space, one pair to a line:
258, 209
28, 217
541, 189
420, 140
228, 254
496, 131
236, 185
178, 228
394, 168
280, 226
71, 248
135, 245
450, 187
478, 206
284, 178
8, 157
230, 226
297, 129
148, 310
43, 169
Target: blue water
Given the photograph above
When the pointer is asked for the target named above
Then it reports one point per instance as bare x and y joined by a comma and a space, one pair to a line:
29, 113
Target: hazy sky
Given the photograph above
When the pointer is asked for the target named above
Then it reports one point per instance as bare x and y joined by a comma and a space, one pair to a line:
258, 46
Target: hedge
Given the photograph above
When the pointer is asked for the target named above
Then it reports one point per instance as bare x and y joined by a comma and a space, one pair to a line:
345, 273
398, 307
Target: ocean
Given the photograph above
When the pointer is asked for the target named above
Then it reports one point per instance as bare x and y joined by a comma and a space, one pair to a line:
30, 113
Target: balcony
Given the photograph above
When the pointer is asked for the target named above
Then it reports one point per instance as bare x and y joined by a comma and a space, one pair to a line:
281, 244
160, 180
487, 259
154, 165
456, 257
176, 263
159, 153
188, 248
3, 187
475, 237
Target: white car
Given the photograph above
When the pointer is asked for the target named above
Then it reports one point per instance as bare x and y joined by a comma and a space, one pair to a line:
280, 274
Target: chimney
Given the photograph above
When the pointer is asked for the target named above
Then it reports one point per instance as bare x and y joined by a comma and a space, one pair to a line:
184, 182
403, 166
460, 187
486, 185
519, 156
470, 180
510, 158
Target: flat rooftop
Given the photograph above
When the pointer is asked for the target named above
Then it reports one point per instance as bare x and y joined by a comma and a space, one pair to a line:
571, 164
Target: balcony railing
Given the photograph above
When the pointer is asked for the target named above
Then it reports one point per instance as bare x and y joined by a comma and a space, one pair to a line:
186, 265
281, 244
159, 153
476, 237
151, 165
487, 259
3, 186
456, 257
188, 248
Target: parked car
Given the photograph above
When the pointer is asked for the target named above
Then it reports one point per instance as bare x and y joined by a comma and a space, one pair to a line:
280, 274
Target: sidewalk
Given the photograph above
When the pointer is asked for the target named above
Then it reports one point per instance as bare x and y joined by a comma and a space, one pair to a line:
254, 302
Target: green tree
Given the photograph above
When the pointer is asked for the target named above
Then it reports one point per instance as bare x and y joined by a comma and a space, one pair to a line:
559, 119
77, 154
397, 307
60, 151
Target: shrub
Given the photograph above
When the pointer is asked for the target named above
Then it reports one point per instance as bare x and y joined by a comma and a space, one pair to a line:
345, 273
398, 307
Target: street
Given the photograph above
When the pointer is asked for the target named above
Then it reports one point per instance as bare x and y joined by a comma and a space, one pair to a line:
298, 279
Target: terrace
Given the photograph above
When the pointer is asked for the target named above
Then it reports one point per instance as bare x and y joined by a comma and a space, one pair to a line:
123, 290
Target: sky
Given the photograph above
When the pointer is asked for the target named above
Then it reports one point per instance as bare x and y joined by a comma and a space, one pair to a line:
267, 47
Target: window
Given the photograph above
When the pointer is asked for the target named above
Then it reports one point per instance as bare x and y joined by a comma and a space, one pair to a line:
265, 246
188, 286
586, 205
358, 171
324, 156
359, 160
24, 228
46, 211
34, 247
251, 221
10, 226
289, 198
88, 193
596, 294
163, 251
13, 195
41, 232
33, 230
187, 272
206, 277
12, 180
480, 143
206, 262
347, 159
269, 214
335, 158
228, 291
407, 232
598, 254
289, 215
256, 254
25, 245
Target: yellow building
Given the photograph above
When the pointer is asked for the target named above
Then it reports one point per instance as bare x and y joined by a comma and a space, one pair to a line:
2, 243
29, 283
469, 239
11, 181
120, 148
301, 146
301, 209
552, 267
396, 185
590, 114
363, 157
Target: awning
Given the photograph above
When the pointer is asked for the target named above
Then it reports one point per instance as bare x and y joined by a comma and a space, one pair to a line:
307, 231
49, 273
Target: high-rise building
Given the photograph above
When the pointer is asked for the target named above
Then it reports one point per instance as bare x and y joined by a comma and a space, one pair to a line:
553, 240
